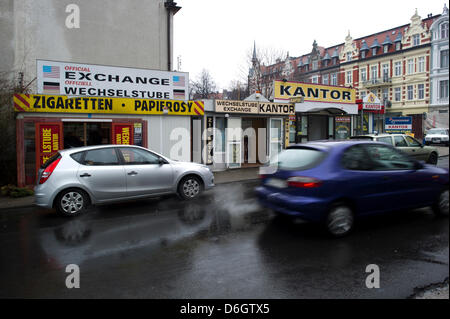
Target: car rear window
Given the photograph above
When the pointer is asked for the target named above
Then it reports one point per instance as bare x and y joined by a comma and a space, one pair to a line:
78, 157
300, 158
50, 160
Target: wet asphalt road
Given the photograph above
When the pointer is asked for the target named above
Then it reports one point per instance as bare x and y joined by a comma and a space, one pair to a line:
222, 246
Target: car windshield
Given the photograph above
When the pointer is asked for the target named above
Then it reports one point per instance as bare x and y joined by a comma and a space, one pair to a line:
437, 131
299, 158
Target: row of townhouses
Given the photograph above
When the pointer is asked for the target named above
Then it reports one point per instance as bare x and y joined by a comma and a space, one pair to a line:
406, 67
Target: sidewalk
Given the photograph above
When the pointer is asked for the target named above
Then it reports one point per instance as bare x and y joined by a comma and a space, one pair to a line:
443, 150
227, 176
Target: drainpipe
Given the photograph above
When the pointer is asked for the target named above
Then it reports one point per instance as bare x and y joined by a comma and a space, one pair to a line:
171, 8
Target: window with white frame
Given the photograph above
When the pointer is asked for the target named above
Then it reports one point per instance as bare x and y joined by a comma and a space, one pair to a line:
334, 79
325, 79
385, 48
410, 92
362, 95
416, 39
444, 30
398, 46
374, 73
444, 58
443, 89
385, 94
314, 65
385, 72
315, 79
349, 77
410, 66
421, 63
363, 54
397, 94
421, 91
363, 72
398, 68
374, 51
349, 56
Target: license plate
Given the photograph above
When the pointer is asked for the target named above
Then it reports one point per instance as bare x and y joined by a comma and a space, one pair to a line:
277, 183
436, 140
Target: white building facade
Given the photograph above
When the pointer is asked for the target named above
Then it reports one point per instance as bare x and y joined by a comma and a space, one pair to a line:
439, 76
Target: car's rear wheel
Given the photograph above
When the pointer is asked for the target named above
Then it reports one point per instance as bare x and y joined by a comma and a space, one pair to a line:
440, 207
72, 202
189, 187
340, 220
432, 159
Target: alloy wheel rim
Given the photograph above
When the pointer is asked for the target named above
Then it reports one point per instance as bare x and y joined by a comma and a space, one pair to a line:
340, 220
191, 188
72, 202
443, 202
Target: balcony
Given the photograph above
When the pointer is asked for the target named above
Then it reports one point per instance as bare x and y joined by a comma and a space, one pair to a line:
377, 82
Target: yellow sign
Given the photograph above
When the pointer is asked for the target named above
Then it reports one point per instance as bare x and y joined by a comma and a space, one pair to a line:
313, 92
104, 105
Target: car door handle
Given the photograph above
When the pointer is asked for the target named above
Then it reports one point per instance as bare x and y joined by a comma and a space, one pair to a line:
132, 173
85, 175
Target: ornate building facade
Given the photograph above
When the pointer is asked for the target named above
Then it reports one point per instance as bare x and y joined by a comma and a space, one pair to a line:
393, 64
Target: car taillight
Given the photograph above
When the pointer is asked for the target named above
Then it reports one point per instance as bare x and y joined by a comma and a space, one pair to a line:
262, 176
303, 182
48, 171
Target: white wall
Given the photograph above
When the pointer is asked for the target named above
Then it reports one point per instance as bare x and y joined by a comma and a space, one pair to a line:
160, 129
129, 33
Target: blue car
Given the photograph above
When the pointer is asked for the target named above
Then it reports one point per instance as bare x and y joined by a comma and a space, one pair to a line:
332, 182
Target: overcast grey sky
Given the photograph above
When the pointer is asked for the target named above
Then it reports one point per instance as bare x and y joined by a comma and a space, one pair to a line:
217, 34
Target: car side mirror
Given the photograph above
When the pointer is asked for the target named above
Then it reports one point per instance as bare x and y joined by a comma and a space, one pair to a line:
161, 161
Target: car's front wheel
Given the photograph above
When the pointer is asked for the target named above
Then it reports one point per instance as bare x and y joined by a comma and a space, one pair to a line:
440, 207
189, 187
72, 202
340, 220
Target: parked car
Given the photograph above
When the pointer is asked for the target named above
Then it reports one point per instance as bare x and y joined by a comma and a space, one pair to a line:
437, 136
337, 181
407, 144
76, 177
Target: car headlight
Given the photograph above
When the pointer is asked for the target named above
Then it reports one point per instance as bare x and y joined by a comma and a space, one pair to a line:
445, 138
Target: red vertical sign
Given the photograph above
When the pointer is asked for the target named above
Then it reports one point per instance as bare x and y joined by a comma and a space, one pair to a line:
123, 134
49, 141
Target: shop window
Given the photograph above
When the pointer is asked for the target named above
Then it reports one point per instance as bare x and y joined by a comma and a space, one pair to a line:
220, 134
30, 153
78, 134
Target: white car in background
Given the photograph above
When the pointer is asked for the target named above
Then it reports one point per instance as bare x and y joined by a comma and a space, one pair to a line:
437, 136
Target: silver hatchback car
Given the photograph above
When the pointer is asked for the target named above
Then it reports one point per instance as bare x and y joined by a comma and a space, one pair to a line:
77, 177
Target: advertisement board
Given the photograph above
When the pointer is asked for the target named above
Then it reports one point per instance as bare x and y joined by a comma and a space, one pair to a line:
401, 124
104, 105
284, 91
75, 79
48, 140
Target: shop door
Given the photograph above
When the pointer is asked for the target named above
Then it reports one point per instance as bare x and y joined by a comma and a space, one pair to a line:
48, 141
234, 147
276, 137
122, 133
